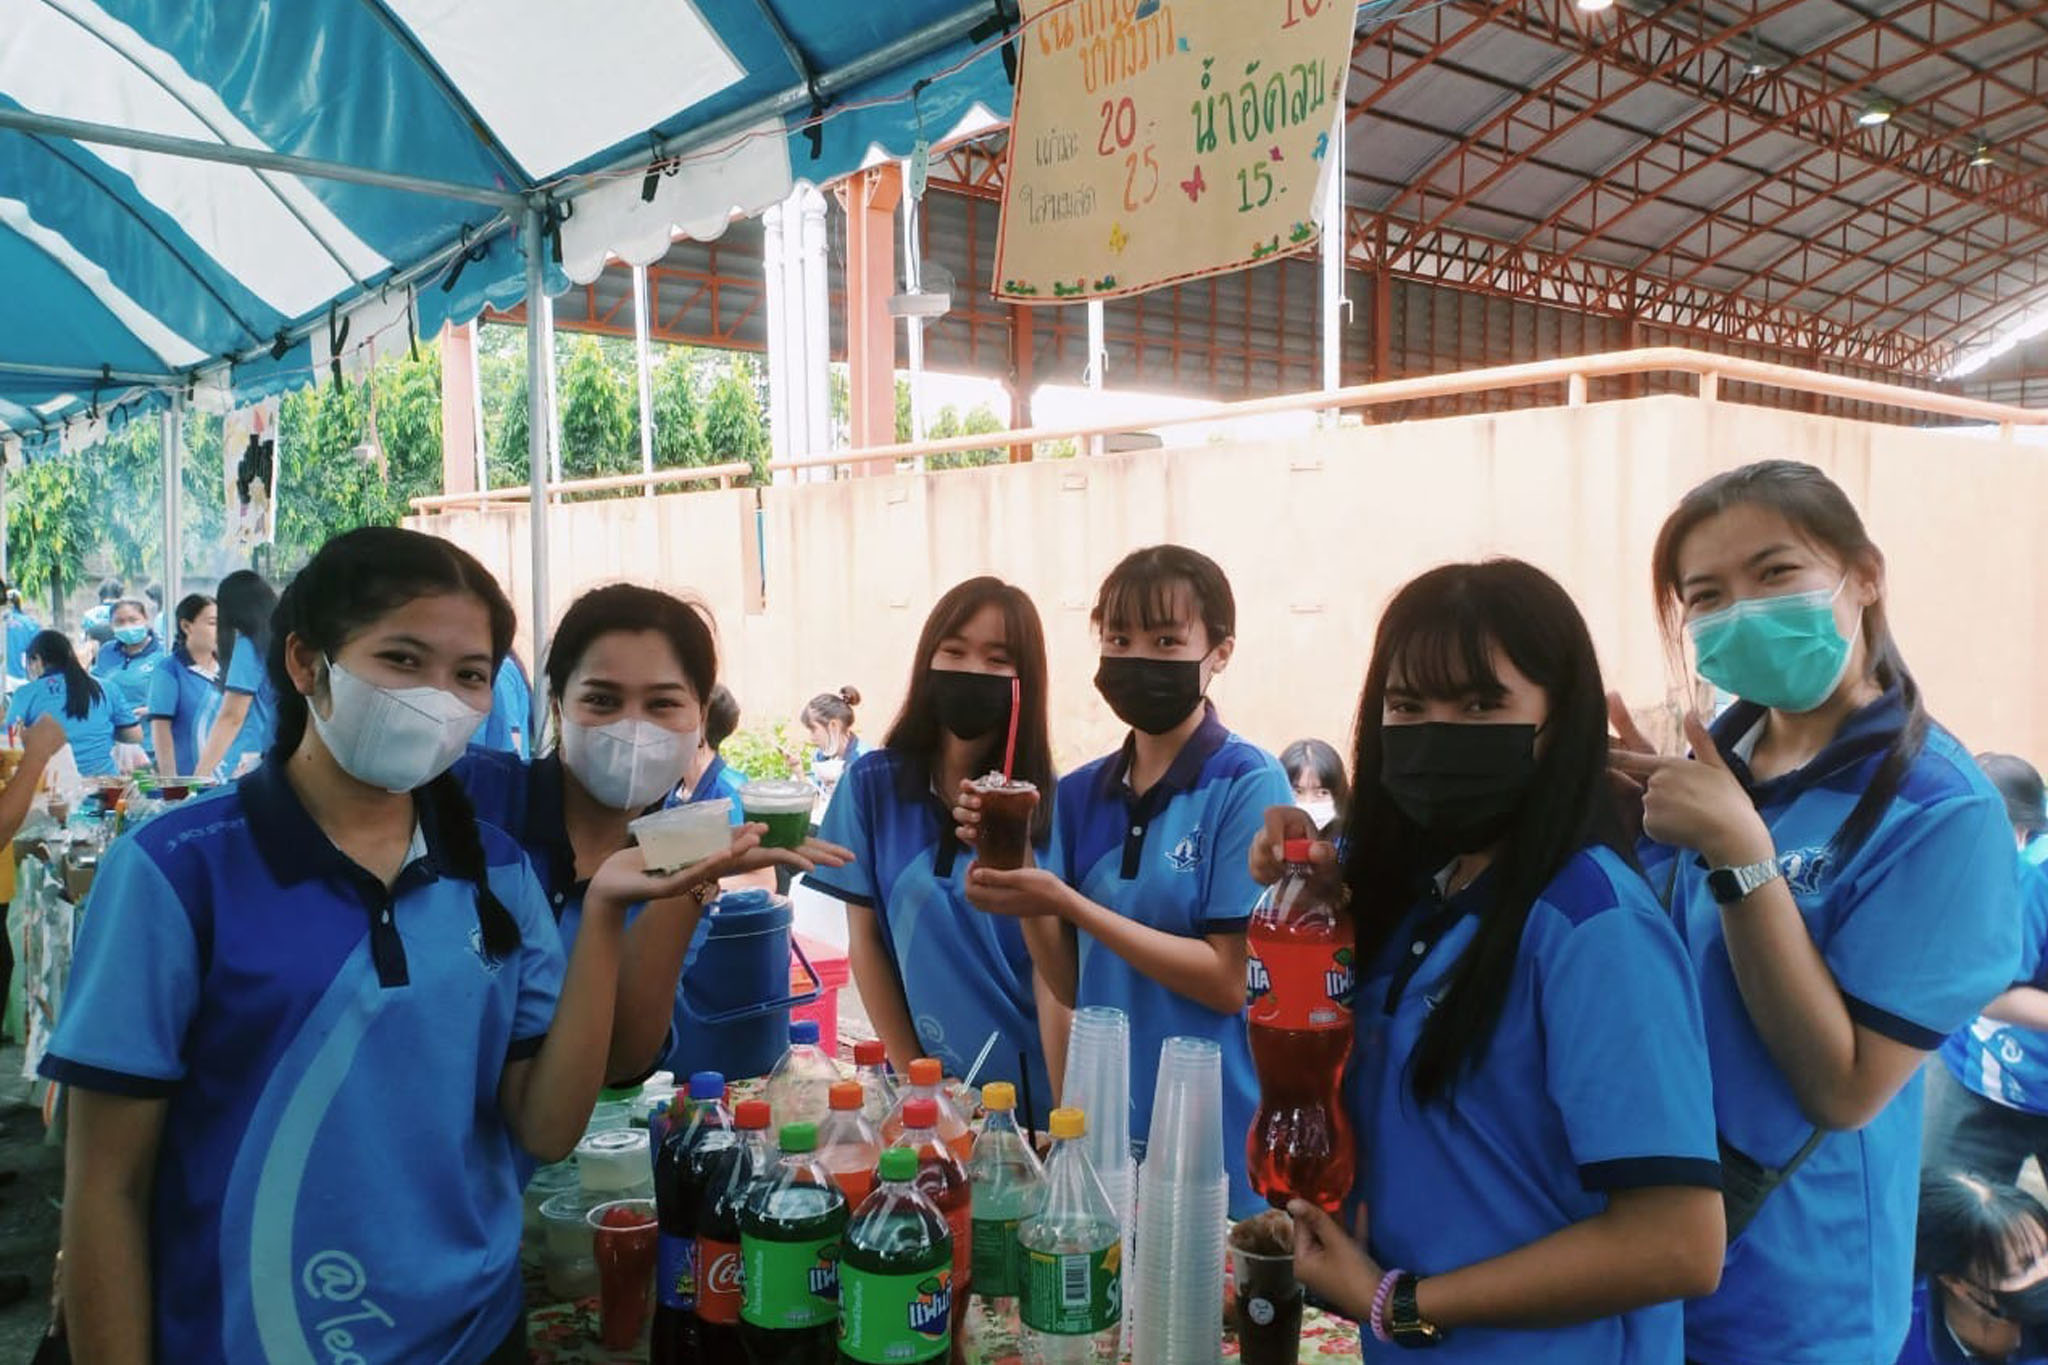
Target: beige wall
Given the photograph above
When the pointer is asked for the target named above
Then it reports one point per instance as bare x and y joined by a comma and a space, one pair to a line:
1315, 534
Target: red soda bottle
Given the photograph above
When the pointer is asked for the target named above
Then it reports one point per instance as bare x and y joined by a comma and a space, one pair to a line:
699, 1120
942, 1178
927, 1081
1299, 983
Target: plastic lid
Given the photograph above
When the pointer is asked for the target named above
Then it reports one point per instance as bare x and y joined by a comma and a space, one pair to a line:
800, 1137
899, 1163
870, 1052
921, 1113
707, 1085
803, 1031
926, 1071
1296, 850
751, 1114
1067, 1124
998, 1096
847, 1095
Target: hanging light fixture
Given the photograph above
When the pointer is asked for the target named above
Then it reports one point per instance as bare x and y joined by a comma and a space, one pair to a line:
1879, 110
1982, 155
1593, 6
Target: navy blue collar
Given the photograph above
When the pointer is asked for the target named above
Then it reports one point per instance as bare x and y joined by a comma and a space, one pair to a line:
707, 781
296, 850
1867, 732
1181, 774
546, 826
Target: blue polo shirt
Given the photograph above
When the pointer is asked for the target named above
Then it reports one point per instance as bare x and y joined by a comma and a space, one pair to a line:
853, 750
1595, 1080
1920, 929
1929, 1342
92, 739
2036, 851
2003, 1062
1175, 860
720, 780
334, 1162
129, 676
20, 630
511, 711
189, 700
965, 974
248, 677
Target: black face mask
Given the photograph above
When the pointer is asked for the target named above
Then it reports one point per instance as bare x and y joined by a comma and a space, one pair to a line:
1150, 695
970, 704
1462, 783
2028, 1307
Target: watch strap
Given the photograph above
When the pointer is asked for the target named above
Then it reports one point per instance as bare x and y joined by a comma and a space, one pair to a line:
1732, 884
1405, 1323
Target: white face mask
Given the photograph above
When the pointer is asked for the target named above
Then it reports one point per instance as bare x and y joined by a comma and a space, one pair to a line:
396, 738
628, 764
1320, 812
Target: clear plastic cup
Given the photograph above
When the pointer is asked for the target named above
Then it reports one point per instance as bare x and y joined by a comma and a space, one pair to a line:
1176, 1304
547, 1182
673, 839
1099, 1085
568, 1252
1187, 1112
1269, 1297
625, 1239
784, 806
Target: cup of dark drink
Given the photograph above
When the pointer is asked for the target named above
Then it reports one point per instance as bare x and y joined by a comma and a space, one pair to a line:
1269, 1298
1007, 806
626, 1242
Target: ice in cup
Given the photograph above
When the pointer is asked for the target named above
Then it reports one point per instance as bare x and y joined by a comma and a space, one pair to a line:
673, 839
1269, 1297
1007, 805
782, 805
626, 1242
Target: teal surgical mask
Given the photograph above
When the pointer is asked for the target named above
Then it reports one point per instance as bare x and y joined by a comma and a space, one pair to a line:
1785, 652
131, 635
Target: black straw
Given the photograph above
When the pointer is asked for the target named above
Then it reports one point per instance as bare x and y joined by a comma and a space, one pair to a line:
1024, 1085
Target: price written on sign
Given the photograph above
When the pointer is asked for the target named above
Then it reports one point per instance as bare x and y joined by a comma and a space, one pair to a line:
1162, 140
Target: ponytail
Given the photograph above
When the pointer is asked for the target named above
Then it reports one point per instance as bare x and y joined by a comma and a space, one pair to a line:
463, 845
52, 649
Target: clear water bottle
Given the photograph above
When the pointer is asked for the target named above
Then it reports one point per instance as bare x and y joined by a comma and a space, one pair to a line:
1072, 1305
1008, 1184
877, 1082
800, 1086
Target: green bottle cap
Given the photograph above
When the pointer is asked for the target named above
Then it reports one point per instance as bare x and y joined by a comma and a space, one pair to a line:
899, 1163
800, 1137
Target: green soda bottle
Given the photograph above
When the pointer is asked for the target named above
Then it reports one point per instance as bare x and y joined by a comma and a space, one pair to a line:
896, 1273
790, 1232
1008, 1186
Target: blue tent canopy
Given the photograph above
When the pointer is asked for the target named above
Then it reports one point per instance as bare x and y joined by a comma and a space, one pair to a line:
224, 198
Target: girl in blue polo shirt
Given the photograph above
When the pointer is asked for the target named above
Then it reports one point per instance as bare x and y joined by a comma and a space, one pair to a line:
1144, 897
1981, 1261
320, 1022
94, 717
1842, 875
247, 720
828, 717
1534, 1128
185, 692
127, 663
709, 777
939, 979
625, 673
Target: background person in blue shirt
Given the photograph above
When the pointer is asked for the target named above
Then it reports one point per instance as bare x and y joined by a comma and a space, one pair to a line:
828, 718
511, 711
93, 717
98, 623
185, 691
1535, 1125
937, 977
21, 628
1987, 1103
1842, 875
127, 663
709, 777
1317, 772
625, 670
317, 1016
247, 720
1143, 900
1982, 1267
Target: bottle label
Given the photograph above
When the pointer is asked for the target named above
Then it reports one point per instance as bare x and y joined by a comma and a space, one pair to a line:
998, 1260
887, 1318
721, 1281
789, 1285
1073, 1294
1301, 986
676, 1279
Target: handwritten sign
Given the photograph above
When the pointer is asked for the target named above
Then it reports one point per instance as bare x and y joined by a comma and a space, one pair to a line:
1162, 140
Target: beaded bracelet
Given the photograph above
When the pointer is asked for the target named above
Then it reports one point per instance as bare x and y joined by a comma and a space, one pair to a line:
1378, 1322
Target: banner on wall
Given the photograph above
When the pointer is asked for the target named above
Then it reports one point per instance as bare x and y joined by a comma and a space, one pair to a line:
249, 451
1154, 141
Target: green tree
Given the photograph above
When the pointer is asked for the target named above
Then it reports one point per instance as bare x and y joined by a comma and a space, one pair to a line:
678, 416
733, 429
979, 419
53, 523
407, 397
600, 431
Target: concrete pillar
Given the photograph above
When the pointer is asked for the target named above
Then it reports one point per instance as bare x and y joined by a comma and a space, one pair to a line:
869, 200
808, 280
781, 370
1022, 383
459, 433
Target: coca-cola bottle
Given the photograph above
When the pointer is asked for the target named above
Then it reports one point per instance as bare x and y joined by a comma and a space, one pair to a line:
701, 1120
1299, 981
728, 1176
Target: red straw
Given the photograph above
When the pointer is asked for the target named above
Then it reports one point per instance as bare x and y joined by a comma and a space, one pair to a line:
1016, 709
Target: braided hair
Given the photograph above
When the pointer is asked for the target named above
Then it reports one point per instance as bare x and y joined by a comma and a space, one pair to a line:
355, 579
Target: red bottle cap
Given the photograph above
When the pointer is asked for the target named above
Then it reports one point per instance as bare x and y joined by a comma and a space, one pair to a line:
1296, 850
751, 1114
926, 1071
847, 1095
921, 1113
870, 1053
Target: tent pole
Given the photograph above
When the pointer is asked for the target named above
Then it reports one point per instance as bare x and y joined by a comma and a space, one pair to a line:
1335, 305
643, 359
539, 402
174, 477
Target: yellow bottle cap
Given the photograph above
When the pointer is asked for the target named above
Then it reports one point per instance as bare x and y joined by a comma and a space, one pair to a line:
998, 1096
1067, 1123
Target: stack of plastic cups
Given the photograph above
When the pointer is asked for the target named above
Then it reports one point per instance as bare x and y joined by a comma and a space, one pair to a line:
1175, 1296
1099, 1085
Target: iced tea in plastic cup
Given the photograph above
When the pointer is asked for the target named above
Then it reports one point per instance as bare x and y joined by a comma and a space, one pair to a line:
1007, 806
627, 1242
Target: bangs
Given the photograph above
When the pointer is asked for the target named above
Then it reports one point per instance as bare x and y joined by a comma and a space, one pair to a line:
1448, 656
1146, 601
2001, 1252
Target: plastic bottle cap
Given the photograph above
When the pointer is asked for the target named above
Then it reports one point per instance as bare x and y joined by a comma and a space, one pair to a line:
921, 1113
926, 1071
1067, 1124
753, 1115
870, 1053
998, 1096
1296, 850
847, 1095
803, 1031
707, 1085
899, 1163
800, 1137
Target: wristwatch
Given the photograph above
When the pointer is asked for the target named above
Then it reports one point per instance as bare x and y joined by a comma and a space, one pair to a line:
1405, 1323
1732, 884
703, 893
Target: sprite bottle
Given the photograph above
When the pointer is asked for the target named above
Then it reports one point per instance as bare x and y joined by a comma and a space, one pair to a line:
896, 1273
1007, 1184
1073, 1259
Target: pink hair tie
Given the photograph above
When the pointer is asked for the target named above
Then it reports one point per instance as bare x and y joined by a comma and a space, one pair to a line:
1379, 1305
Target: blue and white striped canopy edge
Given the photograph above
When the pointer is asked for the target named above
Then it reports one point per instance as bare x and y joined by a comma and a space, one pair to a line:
127, 275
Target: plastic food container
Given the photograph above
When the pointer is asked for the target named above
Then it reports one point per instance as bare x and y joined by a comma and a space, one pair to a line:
673, 839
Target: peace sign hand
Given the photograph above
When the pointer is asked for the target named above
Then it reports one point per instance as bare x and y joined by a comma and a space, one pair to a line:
1694, 802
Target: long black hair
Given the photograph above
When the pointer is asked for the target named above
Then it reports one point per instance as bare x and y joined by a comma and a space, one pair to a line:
1318, 757
1817, 509
1439, 633
189, 608
355, 579
1976, 1229
631, 608
52, 649
247, 603
1142, 591
916, 732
